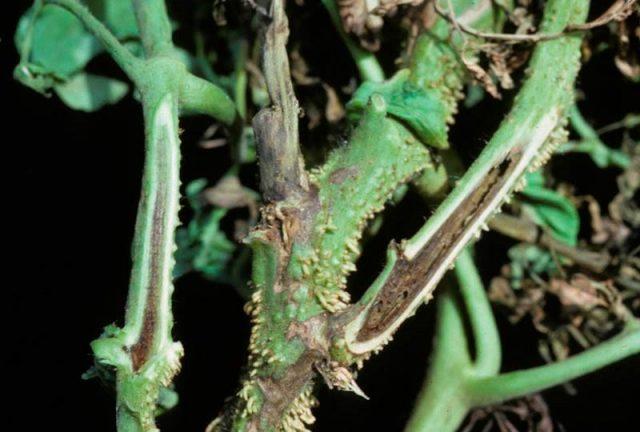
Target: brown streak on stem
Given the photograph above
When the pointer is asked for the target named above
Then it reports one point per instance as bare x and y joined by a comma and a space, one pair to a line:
142, 349
408, 277
281, 392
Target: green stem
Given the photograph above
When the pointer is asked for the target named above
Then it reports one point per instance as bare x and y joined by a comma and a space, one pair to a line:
196, 94
157, 215
143, 353
366, 62
492, 390
202, 97
436, 67
127, 61
154, 27
441, 405
240, 50
580, 124
454, 385
204, 66
483, 325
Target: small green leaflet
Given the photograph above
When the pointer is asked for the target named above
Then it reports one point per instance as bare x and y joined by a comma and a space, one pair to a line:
87, 92
527, 260
418, 109
550, 209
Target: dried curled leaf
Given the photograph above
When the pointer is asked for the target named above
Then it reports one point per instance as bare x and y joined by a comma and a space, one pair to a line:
494, 63
229, 193
624, 207
590, 311
529, 413
333, 109
481, 76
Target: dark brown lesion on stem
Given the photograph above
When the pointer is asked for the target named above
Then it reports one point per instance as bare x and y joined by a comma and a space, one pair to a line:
409, 276
282, 173
281, 392
142, 350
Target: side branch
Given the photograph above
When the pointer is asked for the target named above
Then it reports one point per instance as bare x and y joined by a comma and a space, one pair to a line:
282, 171
497, 389
488, 349
455, 384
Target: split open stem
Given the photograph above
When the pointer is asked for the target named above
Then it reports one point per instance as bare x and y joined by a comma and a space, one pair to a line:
523, 141
143, 353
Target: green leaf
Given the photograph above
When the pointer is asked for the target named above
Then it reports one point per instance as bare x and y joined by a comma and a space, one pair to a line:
87, 92
60, 44
117, 15
549, 209
418, 109
55, 46
474, 95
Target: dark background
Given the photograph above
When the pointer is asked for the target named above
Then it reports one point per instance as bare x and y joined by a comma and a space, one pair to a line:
73, 189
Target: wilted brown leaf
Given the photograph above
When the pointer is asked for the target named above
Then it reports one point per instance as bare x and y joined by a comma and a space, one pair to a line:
481, 76
627, 58
529, 414
604, 230
526, 301
365, 18
624, 207
229, 193
300, 69
334, 111
581, 292
209, 141
498, 59
314, 115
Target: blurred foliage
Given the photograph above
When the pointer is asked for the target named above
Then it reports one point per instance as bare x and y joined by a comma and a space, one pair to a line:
55, 49
550, 209
202, 245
